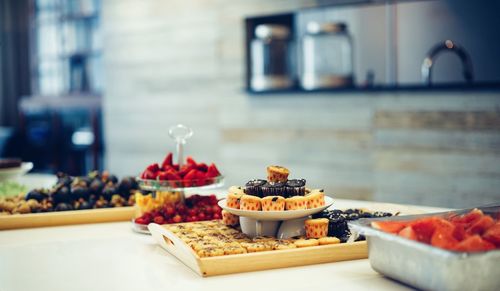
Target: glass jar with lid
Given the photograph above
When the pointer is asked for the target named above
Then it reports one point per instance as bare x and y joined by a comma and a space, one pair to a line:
271, 67
327, 56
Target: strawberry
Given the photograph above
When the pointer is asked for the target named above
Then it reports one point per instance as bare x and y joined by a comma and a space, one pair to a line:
162, 176
202, 167
173, 175
200, 178
149, 175
153, 167
192, 175
185, 169
212, 171
167, 162
191, 161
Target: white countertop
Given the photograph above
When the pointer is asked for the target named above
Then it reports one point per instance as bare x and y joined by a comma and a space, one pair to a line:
110, 256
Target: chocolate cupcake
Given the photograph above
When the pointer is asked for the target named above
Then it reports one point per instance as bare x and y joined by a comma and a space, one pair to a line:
295, 187
254, 187
273, 189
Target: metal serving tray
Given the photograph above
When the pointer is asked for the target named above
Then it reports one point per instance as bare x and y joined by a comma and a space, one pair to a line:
427, 267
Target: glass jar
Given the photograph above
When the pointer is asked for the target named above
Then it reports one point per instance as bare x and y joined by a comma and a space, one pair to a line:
270, 58
327, 60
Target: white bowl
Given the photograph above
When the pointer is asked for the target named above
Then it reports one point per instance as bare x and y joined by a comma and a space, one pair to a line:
10, 173
276, 215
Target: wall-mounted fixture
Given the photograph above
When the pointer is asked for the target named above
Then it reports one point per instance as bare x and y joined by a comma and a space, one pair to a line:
327, 60
271, 58
378, 46
447, 46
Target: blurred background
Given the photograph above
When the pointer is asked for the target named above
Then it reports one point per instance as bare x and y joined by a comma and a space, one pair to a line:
340, 92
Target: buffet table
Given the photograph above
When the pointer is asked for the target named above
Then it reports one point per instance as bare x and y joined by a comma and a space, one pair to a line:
110, 256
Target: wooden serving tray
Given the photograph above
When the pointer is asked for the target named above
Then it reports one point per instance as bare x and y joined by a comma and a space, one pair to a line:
16, 221
240, 263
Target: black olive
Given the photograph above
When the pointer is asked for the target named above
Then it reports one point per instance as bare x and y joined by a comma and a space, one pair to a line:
63, 207
126, 185
86, 180
61, 195
36, 194
79, 192
64, 179
92, 201
94, 175
108, 192
366, 215
113, 179
84, 205
96, 186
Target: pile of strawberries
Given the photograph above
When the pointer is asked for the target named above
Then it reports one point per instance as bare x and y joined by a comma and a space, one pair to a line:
470, 232
196, 208
190, 174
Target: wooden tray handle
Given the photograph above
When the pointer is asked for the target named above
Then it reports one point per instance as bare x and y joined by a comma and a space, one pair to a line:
172, 244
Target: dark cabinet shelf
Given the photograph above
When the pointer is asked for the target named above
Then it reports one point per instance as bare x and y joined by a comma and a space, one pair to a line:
450, 87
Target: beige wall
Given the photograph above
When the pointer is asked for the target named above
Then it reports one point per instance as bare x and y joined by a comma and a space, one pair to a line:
169, 62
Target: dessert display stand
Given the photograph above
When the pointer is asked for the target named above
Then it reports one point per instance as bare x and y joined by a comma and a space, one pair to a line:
179, 133
280, 224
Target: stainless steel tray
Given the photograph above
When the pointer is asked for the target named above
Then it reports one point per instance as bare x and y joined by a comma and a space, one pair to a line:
427, 267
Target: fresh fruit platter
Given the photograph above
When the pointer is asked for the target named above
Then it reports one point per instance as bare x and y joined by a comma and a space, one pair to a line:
96, 190
169, 176
470, 232
71, 200
193, 208
457, 250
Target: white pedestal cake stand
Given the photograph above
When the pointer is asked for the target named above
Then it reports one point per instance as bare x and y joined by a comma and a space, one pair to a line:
258, 223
